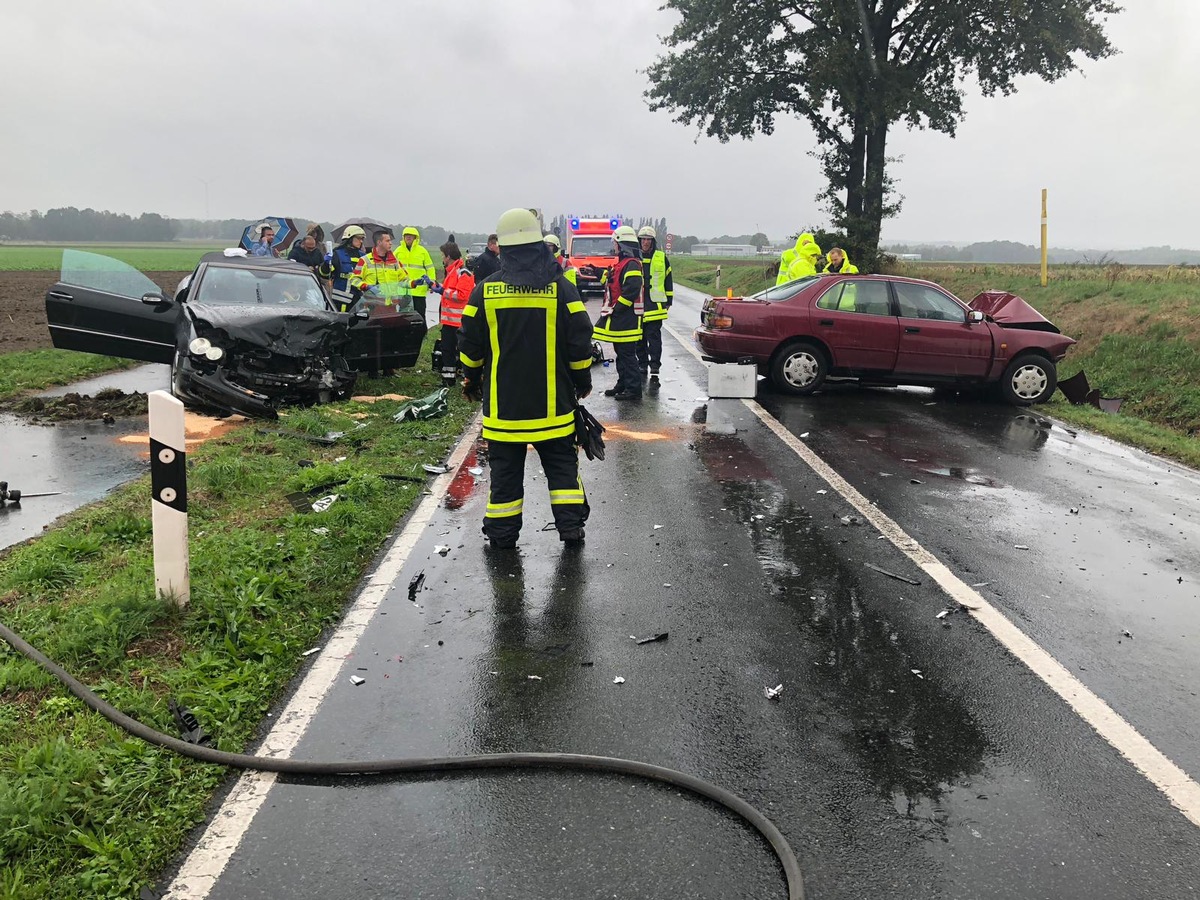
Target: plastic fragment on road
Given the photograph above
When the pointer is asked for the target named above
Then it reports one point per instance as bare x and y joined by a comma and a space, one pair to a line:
1127, 633
915, 481
1020, 547
981, 584
435, 470
311, 651
189, 725
340, 458
442, 549
653, 639
822, 491
356, 680
1074, 510
804, 436
917, 672
851, 520
656, 527
475, 470
903, 578
324, 502
942, 614
415, 585
619, 680
322, 531
534, 677
773, 693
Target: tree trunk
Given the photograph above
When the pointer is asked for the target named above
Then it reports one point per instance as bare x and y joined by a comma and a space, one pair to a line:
874, 180
855, 173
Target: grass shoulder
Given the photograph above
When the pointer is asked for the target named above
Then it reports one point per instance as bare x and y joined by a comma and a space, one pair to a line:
87, 812
27, 371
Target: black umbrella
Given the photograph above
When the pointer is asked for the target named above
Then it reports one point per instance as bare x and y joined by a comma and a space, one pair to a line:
369, 227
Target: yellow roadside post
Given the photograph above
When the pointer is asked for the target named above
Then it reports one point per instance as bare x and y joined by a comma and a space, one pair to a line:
1043, 237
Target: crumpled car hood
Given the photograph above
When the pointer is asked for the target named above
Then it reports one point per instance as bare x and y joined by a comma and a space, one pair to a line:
1010, 311
288, 332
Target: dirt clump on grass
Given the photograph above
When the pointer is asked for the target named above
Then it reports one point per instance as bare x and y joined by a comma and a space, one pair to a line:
107, 404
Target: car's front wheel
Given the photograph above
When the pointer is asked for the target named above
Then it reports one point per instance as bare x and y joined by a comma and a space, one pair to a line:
799, 368
1029, 379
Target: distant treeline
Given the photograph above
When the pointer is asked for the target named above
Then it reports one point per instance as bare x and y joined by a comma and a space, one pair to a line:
1012, 252
69, 224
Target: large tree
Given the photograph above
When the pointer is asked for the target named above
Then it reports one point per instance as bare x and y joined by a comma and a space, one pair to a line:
853, 68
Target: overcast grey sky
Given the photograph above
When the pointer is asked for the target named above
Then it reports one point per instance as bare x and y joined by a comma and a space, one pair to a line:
450, 112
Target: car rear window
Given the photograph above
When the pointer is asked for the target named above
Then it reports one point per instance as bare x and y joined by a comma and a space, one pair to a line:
784, 291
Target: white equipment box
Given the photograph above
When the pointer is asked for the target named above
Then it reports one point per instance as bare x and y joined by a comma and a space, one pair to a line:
732, 380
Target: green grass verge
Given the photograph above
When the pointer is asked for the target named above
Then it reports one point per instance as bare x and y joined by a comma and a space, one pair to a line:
35, 370
1138, 331
87, 812
147, 257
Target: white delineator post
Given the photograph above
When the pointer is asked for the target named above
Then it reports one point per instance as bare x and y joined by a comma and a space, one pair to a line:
168, 484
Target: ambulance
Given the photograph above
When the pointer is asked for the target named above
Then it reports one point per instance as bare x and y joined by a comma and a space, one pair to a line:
588, 242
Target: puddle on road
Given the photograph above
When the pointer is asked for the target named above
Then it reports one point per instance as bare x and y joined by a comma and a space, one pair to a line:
966, 475
915, 742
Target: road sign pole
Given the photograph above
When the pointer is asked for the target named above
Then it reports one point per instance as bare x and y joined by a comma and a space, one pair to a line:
168, 485
1044, 273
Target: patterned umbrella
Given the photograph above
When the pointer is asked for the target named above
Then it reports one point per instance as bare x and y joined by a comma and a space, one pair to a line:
368, 225
285, 232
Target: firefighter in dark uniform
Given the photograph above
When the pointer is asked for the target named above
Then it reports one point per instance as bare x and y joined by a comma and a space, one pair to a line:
620, 322
659, 290
526, 346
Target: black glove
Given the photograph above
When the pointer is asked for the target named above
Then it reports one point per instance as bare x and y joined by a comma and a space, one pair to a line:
583, 384
473, 390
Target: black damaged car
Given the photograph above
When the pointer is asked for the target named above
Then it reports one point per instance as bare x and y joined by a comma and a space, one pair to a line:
242, 334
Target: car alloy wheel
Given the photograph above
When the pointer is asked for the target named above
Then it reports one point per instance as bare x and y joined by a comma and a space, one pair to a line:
1029, 382
799, 368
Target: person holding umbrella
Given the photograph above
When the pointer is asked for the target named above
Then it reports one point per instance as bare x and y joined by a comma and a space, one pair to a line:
340, 265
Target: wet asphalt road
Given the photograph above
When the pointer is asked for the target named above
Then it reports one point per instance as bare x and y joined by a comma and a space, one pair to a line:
971, 780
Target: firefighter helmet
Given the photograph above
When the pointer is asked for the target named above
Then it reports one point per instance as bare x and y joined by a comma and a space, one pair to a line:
353, 231
553, 241
518, 226
625, 234
647, 231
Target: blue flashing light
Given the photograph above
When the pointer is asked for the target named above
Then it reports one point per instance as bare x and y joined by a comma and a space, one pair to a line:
615, 223
575, 224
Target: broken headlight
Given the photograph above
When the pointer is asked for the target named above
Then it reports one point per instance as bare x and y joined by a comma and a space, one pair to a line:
204, 347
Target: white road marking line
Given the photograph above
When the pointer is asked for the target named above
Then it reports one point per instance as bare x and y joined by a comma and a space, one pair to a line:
1170, 779
228, 825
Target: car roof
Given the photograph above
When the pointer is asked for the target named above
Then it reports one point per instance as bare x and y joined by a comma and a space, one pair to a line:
218, 258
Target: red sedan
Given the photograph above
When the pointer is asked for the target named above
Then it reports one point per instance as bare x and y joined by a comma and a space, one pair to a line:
886, 330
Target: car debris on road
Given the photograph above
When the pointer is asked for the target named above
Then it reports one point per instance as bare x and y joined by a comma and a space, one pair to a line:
903, 578
773, 693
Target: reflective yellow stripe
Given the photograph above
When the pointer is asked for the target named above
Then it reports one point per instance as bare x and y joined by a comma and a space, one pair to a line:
631, 271
493, 421
503, 510
576, 306
560, 497
528, 437
517, 297
625, 302
468, 362
470, 311
582, 364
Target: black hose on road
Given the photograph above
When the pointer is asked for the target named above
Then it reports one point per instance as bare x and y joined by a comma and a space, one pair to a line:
428, 766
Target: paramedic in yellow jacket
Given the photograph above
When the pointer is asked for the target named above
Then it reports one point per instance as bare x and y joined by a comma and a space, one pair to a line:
380, 276
785, 262
419, 264
807, 254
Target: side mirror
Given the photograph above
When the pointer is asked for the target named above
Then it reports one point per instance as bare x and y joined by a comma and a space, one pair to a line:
153, 298
974, 317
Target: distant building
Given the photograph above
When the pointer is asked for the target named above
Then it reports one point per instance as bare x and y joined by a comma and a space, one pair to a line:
724, 250
909, 256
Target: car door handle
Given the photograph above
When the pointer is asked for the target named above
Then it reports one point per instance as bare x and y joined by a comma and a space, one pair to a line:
912, 330
60, 295
828, 323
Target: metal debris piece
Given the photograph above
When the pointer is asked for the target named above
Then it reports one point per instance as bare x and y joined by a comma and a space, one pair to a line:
917, 672
476, 470
435, 470
356, 680
1075, 388
618, 680
1126, 633
653, 639
851, 520
656, 527
1020, 547
1074, 510
942, 614
415, 585
534, 677
822, 491
442, 549
981, 584
324, 503
772, 693
189, 725
903, 578
311, 651
915, 481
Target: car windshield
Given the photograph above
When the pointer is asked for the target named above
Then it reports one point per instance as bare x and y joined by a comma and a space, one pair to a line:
238, 286
103, 273
785, 291
592, 245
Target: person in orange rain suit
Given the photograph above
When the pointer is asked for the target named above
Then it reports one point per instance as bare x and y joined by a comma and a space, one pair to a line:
455, 290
